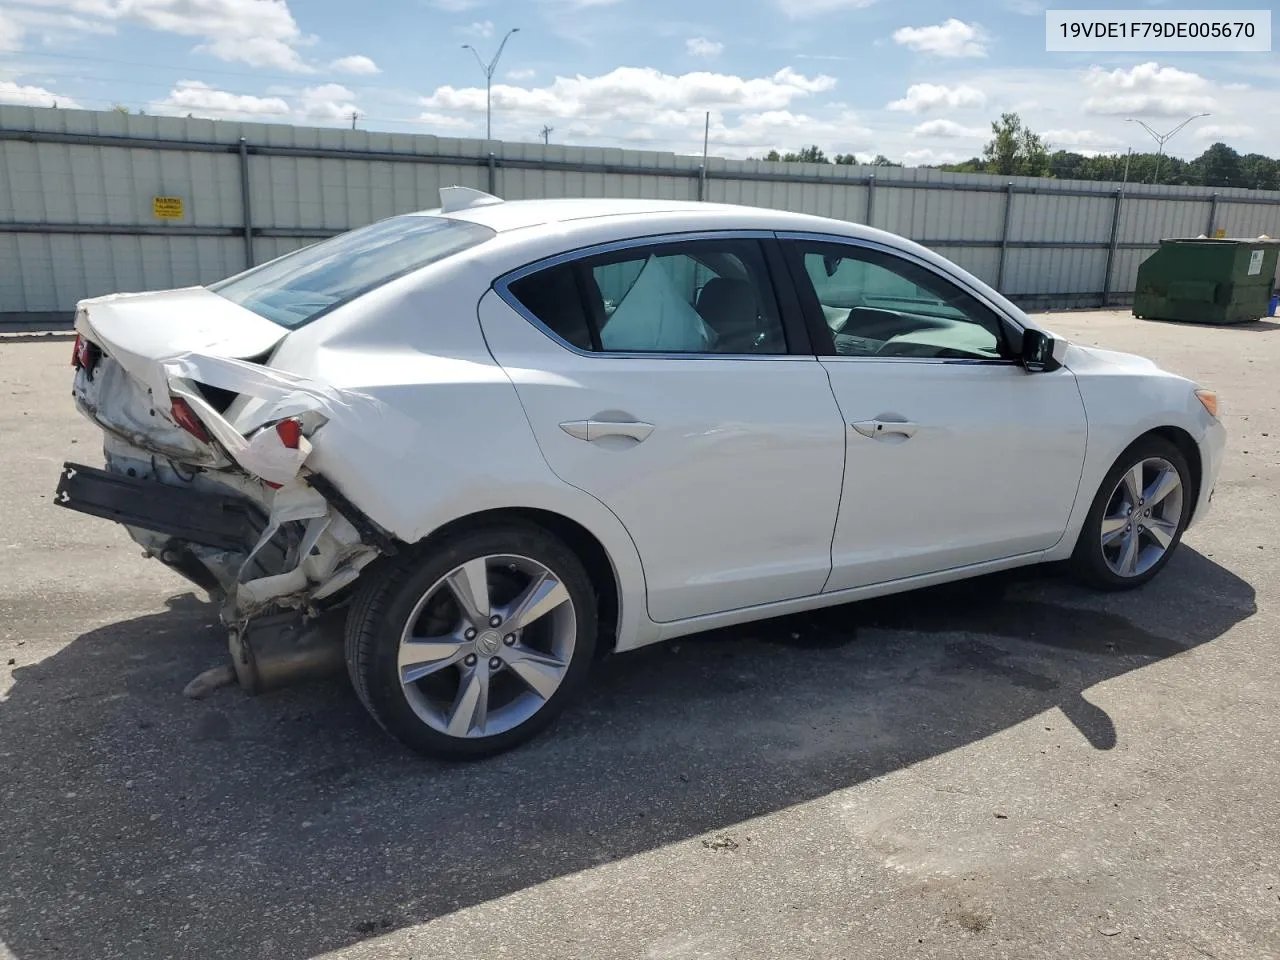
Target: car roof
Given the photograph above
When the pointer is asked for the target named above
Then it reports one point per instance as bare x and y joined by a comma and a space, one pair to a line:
521, 214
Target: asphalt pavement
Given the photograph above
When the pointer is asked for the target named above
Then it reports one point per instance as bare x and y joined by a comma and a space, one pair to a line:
1013, 767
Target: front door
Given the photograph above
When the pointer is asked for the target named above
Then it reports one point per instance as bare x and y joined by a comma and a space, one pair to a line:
659, 378
956, 454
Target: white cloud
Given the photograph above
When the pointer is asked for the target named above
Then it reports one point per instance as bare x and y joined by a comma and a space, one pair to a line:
1222, 131
947, 128
327, 102
482, 29
639, 94
201, 100
702, 47
1080, 138
33, 96
522, 74
927, 155
816, 8
1148, 90
17, 23
444, 120
261, 33
355, 64
923, 97
10, 34
955, 38
456, 6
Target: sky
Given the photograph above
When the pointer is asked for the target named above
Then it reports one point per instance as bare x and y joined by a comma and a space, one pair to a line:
916, 80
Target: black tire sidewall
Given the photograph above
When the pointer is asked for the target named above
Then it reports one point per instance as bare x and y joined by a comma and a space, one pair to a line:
1088, 559
377, 647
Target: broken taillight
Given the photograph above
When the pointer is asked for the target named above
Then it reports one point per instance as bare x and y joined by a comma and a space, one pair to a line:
84, 354
290, 433
186, 418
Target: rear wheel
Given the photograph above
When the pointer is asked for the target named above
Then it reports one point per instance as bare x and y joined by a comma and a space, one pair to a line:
476, 644
1137, 518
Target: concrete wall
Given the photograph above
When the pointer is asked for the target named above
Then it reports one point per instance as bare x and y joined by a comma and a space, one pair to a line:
76, 191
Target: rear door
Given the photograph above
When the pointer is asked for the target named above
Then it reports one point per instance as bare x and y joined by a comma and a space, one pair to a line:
666, 378
956, 454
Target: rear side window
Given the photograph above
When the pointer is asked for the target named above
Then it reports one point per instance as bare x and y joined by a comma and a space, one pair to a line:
673, 297
298, 287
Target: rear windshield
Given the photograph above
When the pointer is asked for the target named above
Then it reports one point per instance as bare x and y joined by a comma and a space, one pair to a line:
300, 286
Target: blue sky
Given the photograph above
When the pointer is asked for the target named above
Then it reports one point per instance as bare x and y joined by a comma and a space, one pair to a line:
917, 80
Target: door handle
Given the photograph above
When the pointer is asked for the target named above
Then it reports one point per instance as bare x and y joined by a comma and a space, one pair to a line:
590, 430
879, 429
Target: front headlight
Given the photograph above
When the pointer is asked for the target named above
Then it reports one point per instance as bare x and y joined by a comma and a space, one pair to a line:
1210, 400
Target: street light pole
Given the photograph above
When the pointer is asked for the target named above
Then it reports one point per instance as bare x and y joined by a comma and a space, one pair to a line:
489, 69
1162, 138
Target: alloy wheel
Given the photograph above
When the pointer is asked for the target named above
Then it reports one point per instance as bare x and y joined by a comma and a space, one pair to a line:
1142, 517
487, 645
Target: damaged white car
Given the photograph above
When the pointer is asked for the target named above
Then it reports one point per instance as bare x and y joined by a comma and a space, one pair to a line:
496, 440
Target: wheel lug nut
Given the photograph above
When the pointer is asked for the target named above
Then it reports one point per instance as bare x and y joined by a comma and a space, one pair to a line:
509, 639
494, 621
470, 633
495, 663
470, 660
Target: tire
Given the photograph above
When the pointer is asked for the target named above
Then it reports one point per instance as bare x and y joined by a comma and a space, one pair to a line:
504, 673
1150, 523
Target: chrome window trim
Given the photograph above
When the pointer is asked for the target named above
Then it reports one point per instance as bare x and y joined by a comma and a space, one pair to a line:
502, 287
926, 265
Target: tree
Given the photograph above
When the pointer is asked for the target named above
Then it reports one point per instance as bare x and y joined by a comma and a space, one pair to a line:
810, 154
1014, 151
1220, 166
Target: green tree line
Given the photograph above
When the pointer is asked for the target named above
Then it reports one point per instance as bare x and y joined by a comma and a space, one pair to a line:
1016, 151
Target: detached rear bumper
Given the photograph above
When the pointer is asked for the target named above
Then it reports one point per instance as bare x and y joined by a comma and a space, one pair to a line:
199, 517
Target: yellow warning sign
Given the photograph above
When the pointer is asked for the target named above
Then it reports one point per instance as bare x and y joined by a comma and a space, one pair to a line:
167, 208
1220, 233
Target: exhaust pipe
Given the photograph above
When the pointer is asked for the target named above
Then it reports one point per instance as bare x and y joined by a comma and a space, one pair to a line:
276, 651
283, 649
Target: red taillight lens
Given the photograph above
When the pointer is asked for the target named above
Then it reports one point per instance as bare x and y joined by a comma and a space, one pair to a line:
290, 433
186, 418
84, 354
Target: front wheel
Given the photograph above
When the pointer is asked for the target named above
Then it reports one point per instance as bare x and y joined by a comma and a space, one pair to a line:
475, 646
1137, 518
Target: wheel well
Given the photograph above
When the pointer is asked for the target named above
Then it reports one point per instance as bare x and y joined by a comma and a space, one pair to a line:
594, 557
1190, 450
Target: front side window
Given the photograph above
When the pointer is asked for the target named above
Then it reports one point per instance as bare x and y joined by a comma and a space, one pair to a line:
880, 305
698, 296
298, 287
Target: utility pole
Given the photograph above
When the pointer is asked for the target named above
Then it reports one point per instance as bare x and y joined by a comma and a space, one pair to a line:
354, 116
1162, 138
488, 69
546, 133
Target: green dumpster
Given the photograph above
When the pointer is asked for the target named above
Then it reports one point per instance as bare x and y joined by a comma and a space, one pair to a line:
1205, 280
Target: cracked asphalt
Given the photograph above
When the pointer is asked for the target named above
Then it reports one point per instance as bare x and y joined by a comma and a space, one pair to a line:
1011, 767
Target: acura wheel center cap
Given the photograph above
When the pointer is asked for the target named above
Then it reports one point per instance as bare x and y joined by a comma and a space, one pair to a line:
488, 643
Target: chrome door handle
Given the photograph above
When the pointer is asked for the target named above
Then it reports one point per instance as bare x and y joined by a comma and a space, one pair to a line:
879, 429
589, 430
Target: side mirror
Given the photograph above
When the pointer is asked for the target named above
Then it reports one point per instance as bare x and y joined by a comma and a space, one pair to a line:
1038, 351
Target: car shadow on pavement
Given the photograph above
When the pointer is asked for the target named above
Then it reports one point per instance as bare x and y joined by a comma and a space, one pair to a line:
140, 824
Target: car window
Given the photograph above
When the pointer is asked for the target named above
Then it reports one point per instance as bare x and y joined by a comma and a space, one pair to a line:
298, 287
879, 305
701, 296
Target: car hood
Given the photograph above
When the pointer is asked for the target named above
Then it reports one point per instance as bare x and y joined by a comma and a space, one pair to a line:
1081, 359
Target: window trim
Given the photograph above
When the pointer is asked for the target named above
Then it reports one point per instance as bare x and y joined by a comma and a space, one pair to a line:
790, 310
824, 343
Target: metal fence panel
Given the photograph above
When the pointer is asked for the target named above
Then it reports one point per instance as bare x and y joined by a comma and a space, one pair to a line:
77, 190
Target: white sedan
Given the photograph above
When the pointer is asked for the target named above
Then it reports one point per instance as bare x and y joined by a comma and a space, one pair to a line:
503, 438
